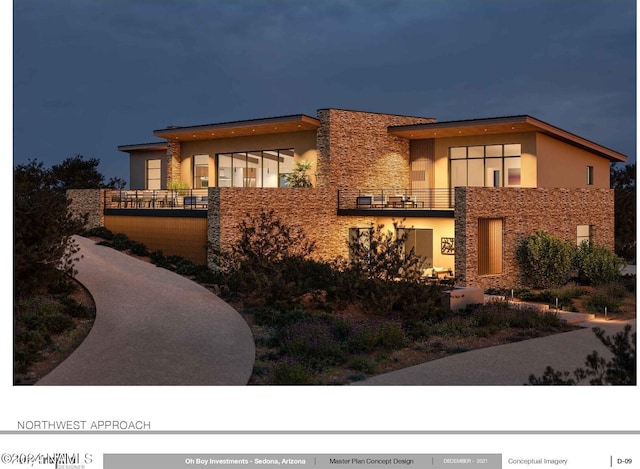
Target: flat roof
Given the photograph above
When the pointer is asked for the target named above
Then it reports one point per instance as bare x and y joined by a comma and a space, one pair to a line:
143, 146
501, 125
269, 125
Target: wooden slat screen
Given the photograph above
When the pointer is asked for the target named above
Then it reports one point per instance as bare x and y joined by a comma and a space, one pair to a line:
489, 246
422, 159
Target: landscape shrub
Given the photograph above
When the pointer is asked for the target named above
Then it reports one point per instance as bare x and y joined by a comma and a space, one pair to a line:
291, 372
565, 296
610, 296
546, 261
364, 364
313, 342
596, 264
75, 309
265, 240
391, 336
98, 232
383, 255
139, 249
275, 316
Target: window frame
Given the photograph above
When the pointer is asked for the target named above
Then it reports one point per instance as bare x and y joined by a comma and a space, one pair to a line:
147, 172
506, 171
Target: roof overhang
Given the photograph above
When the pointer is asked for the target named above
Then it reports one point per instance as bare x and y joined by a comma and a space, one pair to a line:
270, 125
143, 147
501, 125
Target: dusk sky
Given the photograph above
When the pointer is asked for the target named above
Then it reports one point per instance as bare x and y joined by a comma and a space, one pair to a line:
91, 75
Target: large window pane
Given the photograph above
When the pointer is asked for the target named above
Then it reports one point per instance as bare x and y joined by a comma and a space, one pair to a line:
512, 149
476, 173
270, 169
458, 173
493, 173
286, 165
421, 241
225, 170
476, 152
154, 174
512, 170
253, 177
458, 152
493, 151
239, 169
200, 171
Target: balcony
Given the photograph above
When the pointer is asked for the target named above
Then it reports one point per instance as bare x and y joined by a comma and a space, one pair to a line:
191, 199
397, 202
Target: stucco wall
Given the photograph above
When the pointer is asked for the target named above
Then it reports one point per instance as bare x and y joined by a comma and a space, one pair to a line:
88, 202
527, 161
355, 150
564, 165
525, 210
138, 167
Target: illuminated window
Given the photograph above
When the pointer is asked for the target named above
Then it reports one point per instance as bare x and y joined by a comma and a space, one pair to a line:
589, 175
200, 171
260, 168
154, 174
583, 234
485, 165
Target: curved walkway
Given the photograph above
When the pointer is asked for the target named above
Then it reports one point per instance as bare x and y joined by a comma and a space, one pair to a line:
153, 327
509, 364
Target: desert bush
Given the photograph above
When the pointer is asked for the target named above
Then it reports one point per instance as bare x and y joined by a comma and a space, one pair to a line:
610, 296
276, 316
383, 255
565, 296
364, 364
98, 232
75, 309
265, 240
596, 264
391, 336
312, 342
291, 372
546, 261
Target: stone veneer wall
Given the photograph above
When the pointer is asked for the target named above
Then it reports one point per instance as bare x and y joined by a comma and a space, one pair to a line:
173, 162
355, 150
524, 211
89, 202
313, 210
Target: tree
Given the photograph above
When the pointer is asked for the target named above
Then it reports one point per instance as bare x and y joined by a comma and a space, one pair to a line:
383, 255
43, 228
77, 173
299, 176
265, 240
623, 182
619, 370
116, 183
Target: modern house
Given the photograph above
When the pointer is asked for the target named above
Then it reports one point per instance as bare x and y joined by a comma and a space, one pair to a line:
468, 191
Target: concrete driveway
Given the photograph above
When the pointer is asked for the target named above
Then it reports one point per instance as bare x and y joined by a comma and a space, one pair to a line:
509, 364
153, 327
